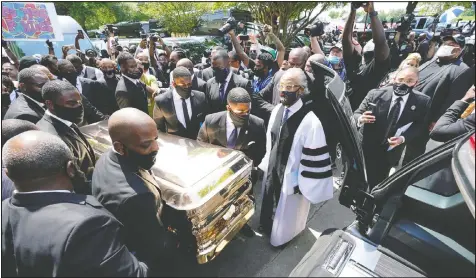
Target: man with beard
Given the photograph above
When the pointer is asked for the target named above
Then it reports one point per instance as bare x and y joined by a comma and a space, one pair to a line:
124, 184
176, 56
29, 104
263, 71
180, 110
237, 129
208, 73
224, 80
296, 172
107, 102
198, 84
389, 119
130, 91
51, 62
365, 69
86, 87
65, 111
47, 230
84, 71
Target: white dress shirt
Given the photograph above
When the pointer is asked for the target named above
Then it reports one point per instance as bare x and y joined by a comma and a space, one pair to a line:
99, 74
402, 103
230, 126
78, 85
178, 107
293, 108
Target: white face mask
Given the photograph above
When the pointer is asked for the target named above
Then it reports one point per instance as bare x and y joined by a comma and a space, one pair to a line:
445, 51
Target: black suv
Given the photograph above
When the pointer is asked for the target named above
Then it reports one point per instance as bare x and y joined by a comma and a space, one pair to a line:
417, 222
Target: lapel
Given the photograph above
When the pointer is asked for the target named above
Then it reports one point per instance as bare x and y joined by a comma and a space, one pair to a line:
242, 137
408, 112
194, 106
68, 132
230, 86
195, 83
384, 107
170, 106
221, 131
215, 90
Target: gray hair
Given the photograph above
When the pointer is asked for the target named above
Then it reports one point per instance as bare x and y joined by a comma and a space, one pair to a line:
299, 75
42, 155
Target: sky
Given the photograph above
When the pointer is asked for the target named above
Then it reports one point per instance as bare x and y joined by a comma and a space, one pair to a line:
379, 6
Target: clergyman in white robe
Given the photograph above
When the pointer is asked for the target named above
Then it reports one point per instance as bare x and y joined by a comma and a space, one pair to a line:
307, 176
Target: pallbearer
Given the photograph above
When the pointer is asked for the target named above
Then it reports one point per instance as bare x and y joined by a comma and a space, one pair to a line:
297, 165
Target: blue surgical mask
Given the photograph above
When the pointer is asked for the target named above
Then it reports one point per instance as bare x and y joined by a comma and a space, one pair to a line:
334, 60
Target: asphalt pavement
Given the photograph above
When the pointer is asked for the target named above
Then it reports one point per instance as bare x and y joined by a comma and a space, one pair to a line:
256, 257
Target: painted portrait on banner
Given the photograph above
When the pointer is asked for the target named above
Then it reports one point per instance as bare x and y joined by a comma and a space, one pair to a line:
30, 21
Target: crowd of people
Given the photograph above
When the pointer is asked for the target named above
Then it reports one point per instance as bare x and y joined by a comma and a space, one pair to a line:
278, 116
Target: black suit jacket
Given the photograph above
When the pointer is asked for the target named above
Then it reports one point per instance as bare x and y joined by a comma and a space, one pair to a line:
129, 94
63, 234
251, 140
120, 188
166, 117
25, 108
101, 94
213, 91
78, 145
450, 125
199, 84
415, 111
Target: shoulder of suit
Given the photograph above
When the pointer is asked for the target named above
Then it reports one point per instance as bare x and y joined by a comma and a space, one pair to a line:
163, 96
198, 94
211, 118
256, 120
240, 79
420, 95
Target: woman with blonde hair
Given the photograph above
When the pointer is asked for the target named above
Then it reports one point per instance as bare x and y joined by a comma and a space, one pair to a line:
412, 60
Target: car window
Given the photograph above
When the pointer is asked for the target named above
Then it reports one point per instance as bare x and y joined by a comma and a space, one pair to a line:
28, 48
421, 23
437, 178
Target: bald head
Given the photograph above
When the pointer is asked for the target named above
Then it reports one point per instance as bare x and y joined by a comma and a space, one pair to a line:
44, 70
318, 58
297, 58
106, 62
34, 155
13, 127
187, 63
133, 133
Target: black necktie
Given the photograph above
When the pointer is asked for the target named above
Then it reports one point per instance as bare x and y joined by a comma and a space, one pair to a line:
392, 119
185, 113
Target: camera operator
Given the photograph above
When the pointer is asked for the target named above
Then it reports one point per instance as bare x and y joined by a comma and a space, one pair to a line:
111, 42
365, 70
315, 32
159, 61
267, 31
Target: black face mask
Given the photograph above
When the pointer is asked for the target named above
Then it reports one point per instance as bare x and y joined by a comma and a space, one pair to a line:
134, 74
253, 55
36, 96
401, 89
146, 66
70, 77
74, 115
109, 74
239, 120
172, 66
143, 161
220, 74
183, 92
289, 98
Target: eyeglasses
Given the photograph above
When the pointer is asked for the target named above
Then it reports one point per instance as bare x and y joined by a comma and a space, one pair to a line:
289, 87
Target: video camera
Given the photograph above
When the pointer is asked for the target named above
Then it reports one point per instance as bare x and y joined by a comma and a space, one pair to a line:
316, 30
231, 24
405, 23
358, 4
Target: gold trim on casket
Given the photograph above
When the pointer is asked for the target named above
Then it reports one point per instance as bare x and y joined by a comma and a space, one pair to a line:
209, 183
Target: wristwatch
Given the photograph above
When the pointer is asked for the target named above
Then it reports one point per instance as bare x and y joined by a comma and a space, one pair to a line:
373, 13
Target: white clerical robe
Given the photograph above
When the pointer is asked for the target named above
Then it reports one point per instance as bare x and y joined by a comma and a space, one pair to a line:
314, 178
